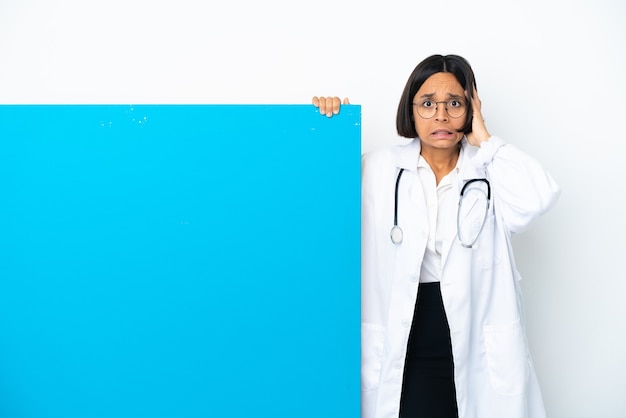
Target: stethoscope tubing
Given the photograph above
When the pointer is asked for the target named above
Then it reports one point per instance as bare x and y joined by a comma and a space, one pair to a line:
458, 213
396, 232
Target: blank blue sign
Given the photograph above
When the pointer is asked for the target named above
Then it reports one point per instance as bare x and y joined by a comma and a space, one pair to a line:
179, 261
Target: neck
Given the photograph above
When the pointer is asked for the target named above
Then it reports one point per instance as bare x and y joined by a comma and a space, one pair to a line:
441, 161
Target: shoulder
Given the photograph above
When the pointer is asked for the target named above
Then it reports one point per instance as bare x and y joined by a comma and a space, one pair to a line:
391, 157
378, 158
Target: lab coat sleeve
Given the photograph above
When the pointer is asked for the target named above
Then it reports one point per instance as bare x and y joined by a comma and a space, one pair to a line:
368, 240
367, 210
372, 327
521, 189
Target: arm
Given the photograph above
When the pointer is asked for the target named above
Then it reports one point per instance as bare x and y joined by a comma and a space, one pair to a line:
522, 189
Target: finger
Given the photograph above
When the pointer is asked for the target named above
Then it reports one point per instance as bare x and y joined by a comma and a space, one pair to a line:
346, 101
336, 105
476, 98
328, 106
476, 103
322, 105
316, 101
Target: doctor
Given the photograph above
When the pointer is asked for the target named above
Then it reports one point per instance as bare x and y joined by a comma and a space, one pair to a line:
442, 325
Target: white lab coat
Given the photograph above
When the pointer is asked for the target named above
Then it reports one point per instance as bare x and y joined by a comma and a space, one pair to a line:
493, 370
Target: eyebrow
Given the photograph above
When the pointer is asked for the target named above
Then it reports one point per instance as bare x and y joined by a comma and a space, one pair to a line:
450, 96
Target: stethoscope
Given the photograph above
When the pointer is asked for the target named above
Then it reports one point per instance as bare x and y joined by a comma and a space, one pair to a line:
397, 235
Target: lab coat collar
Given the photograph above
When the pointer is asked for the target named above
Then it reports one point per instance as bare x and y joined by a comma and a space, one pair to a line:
409, 154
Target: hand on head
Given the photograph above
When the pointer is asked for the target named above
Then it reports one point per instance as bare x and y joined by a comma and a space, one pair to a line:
479, 132
329, 106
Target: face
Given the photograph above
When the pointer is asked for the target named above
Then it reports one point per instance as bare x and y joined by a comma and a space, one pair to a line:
440, 131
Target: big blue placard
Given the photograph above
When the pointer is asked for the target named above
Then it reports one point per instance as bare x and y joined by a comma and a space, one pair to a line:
179, 261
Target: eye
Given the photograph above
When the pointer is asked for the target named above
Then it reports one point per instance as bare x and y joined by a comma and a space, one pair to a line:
455, 103
428, 103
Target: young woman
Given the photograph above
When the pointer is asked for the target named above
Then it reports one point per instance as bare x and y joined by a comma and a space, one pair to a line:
442, 326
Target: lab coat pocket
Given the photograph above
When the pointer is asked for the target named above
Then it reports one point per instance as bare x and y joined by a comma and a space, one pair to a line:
507, 358
372, 342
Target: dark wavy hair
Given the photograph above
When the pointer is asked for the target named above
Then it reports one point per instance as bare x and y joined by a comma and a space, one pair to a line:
458, 66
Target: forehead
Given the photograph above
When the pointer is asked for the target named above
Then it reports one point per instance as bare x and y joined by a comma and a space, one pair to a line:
440, 85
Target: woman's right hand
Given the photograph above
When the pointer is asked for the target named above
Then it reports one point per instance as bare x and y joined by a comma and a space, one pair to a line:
329, 106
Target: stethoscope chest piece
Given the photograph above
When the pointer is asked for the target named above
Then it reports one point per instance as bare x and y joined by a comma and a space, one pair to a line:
396, 235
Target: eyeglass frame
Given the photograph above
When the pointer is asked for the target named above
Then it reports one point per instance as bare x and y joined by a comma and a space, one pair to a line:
446, 107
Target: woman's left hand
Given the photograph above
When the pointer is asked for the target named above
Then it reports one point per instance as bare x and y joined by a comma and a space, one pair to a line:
479, 132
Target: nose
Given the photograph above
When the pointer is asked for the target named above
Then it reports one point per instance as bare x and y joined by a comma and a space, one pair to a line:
441, 113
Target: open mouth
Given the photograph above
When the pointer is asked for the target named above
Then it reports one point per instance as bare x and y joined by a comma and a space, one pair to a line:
442, 132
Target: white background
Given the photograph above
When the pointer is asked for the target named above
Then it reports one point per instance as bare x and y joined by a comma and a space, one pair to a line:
550, 75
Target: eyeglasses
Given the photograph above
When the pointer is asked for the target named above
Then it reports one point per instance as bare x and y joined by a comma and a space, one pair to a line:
428, 108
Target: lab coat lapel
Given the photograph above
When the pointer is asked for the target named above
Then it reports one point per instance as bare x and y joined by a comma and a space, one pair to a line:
407, 156
407, 160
